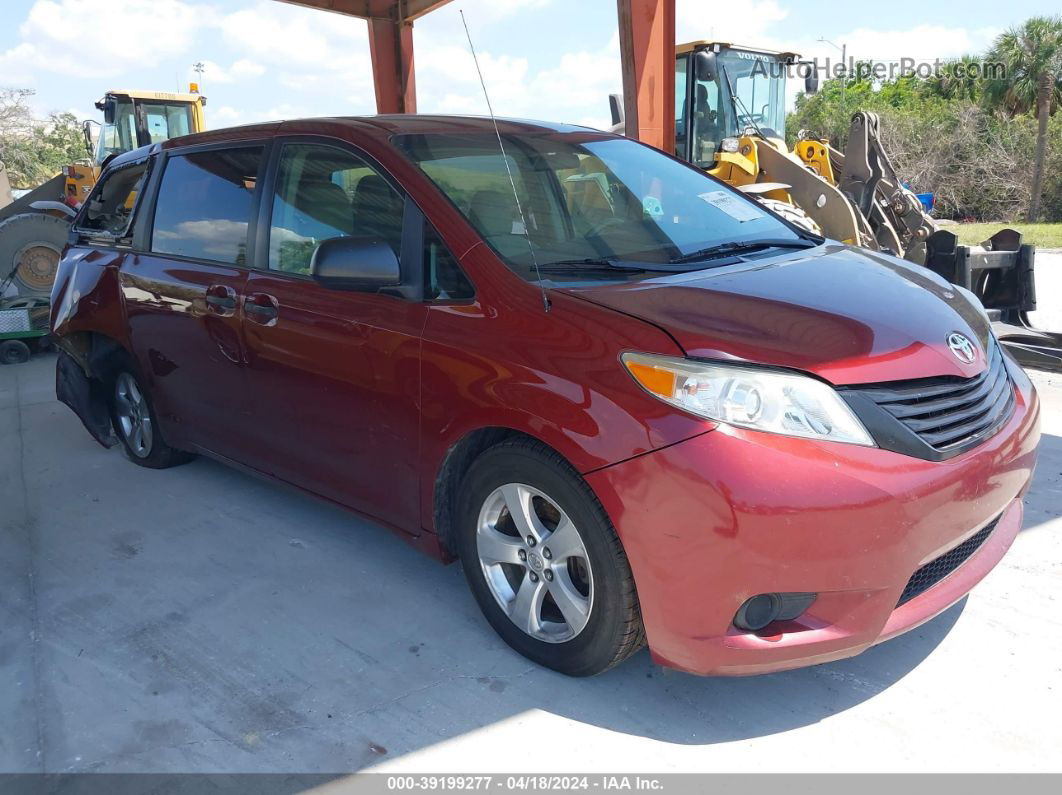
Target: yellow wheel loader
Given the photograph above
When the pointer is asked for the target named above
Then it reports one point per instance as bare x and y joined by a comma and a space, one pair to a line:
34, 227
730, 121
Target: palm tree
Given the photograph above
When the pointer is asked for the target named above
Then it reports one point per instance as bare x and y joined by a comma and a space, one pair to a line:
958, 78
1031, 57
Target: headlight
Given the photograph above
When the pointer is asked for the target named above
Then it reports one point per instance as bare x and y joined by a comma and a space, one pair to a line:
750, 397
729, 144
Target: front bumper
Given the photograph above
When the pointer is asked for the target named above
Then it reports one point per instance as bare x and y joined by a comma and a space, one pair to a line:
731, 513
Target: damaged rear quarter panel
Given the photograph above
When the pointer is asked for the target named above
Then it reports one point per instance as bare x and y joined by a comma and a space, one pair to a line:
88, 324
87, 299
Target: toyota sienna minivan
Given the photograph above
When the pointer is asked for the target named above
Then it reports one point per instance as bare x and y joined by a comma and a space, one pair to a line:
638, 406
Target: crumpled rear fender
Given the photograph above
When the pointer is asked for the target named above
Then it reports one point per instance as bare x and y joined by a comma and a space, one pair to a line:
86, 397
88, 327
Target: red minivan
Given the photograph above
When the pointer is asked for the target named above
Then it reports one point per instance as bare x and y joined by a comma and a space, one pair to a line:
639, 407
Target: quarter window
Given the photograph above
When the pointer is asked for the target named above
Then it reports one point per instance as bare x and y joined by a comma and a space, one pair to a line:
205, 204
109, 210
446, 281
323, 193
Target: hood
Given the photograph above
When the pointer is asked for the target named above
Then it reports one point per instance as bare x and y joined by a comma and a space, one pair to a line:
848, 315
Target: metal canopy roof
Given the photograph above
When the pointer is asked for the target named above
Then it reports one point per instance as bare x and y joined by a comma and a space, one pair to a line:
374, 9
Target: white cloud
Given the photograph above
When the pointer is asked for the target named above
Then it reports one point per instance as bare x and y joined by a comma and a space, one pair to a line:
308, 56
103, 40
240, 70
574, 88
737, 23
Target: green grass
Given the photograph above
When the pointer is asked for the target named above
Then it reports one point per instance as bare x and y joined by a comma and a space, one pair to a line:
1039, 235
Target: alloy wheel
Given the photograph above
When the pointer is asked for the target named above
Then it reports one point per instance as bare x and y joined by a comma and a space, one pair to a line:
535, 563
134, 417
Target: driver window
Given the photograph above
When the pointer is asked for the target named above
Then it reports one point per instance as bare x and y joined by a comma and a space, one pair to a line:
323, 193
707, 123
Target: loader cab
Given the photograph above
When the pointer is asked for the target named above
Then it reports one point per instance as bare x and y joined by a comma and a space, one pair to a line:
721, 92
132, 119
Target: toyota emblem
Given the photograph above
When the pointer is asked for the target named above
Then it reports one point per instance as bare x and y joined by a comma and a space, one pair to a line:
962, 347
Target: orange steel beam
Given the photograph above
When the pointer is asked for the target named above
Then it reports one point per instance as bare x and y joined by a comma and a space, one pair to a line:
647, 52
391, 50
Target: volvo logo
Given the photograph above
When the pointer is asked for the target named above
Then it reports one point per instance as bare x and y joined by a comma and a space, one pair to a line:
961, 346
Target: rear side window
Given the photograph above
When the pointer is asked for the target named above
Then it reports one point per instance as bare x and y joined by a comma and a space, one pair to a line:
205, 203
109, 210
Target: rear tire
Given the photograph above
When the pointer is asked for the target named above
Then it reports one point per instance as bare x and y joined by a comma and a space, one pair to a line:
566, 601
792, 214
14, 352
32, 243
136, 425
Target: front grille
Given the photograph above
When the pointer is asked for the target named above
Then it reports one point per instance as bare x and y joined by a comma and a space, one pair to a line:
949, 412
939, 568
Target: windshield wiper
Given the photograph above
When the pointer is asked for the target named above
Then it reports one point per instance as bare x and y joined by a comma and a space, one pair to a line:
726, 249
588, 264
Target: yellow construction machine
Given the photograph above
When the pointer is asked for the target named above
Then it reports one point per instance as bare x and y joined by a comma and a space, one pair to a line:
730, 121
34, 227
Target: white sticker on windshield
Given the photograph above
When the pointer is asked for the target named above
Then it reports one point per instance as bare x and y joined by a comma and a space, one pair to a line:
731, 205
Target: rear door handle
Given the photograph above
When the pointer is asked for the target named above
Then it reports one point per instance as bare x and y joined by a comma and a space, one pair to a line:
221, 300
261, 308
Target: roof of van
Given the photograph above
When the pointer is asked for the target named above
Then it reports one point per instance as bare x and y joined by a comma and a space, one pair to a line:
382, 126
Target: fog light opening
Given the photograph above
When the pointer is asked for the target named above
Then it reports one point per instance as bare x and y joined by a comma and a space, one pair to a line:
762, 609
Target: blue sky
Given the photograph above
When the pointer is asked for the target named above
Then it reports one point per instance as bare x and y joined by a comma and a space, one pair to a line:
550, 59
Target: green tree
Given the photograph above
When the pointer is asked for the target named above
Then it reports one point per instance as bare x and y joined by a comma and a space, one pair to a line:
957, 79
1031, 57
34, 150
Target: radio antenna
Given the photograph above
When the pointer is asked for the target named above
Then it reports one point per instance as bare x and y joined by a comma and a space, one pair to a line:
508, 170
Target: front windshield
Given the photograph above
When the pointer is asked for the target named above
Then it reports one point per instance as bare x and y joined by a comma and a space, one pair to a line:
758, 82
586, 197
162, 120
119, 136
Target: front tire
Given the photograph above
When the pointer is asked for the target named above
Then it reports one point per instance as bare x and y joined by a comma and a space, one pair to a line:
544, 562
136, 425
32, 243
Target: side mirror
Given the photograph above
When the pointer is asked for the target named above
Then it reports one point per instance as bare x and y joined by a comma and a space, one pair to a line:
704, 65
811, 79
355, 263
109, 108
615, 106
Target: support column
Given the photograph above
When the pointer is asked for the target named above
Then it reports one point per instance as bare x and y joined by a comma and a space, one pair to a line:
647, 52
391, 50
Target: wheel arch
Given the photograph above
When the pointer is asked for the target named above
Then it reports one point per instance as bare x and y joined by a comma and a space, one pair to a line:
456, 463
87, 359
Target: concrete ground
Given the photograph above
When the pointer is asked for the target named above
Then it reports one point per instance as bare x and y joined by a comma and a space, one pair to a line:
198, 619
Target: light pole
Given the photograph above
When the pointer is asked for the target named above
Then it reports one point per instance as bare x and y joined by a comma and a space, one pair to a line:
199, 67
844, 63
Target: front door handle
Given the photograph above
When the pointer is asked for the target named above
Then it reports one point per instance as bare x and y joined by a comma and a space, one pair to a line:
261, 308
221, 300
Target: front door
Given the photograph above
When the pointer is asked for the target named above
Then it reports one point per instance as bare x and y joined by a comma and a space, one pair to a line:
183, 295
334, 374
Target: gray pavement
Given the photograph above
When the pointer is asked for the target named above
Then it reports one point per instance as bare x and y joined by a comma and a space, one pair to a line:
198, 619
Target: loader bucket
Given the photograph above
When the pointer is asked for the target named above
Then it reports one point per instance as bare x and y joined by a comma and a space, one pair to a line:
1000, 272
